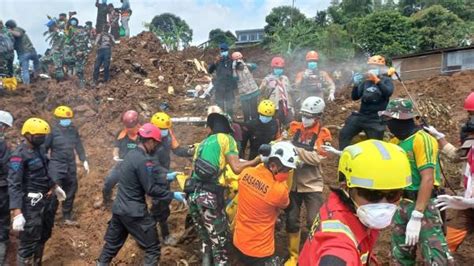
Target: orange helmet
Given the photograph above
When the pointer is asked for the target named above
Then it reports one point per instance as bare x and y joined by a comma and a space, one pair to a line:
312, 56
237, 55
278, 62
469, 102
376, 60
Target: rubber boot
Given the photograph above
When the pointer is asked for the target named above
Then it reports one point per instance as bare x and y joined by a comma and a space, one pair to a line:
25, 261
39, 255
207, 259
3, 252
98, 263
293, 248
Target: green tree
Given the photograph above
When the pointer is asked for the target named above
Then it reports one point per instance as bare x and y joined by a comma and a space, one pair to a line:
437, 27
173, 31
321, 19
356, 8
217, 36
282, 16
303, 34
385, 32
335, 43
463, 8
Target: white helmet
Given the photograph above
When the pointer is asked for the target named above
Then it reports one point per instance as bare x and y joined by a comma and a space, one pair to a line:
313, 105
286, 153
213, 109
6, 118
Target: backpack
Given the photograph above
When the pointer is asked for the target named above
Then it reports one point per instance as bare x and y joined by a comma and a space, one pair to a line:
6, 43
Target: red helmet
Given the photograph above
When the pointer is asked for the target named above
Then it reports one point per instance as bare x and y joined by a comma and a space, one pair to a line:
312, 56
469, 102
130, 118
278, 62
237, 55
149, 131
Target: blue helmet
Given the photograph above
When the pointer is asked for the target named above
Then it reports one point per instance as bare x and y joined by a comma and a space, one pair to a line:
224, 46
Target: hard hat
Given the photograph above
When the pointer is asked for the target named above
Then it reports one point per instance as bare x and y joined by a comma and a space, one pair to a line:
278, 62
63, 112
73, 21
213, 117
6, 118
149, 131
224, 46
130, 118
374, 164
266, 108
286, 153
400, 109
213, 109
312, 56
376, 60
35, 126
10, 24
313, 105
161, 120
237, 55
469, 102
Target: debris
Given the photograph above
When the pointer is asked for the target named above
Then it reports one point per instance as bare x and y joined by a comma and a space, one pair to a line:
148, 83
170, 90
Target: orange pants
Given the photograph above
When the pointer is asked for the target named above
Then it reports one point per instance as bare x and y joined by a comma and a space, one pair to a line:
458, 228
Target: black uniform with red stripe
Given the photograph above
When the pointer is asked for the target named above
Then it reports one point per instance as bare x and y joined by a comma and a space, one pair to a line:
4, 203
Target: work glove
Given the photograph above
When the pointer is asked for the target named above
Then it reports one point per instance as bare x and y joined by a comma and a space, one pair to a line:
19, 222
412, 234
60, 194
331, 149
331, 97
171, 176
86, 166
391, 71
357, 79
454, 202
180, 196
434, 132
117, 159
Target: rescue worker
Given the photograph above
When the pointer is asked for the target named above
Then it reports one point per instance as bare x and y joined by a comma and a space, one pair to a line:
247, 87
30, 189
372, 175
417, 220
57, 39
225, 85
263, 130
160, 209
113, 17
125, 13
276, 87
80, 42
307, 186
374, 90
7, 51
6, 121
104, 43
140, 176
25, 51
125, 141
313, 81
92, 34
101, 15
458, 228
263, 192
64, 143
206, 196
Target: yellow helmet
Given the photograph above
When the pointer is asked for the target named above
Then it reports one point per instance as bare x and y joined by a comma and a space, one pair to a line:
266, 108
376, 165
161, 120
35, 126
63, 112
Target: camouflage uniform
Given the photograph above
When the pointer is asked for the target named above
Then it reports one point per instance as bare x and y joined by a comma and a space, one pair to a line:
434, 249
80, 42
55, 56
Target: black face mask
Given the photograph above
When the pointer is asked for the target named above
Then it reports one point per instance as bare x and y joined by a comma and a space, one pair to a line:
402, 129
38, 140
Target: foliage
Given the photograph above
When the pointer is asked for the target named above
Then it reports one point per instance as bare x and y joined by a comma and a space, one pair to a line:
173, 31
437, 27
335, 43
285, 39
218, 36
385, 32
282, 17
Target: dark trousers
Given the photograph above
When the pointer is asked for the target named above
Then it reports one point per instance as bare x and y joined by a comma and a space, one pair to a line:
373, 126
160, 210
142, 229
4, 214
249, 107
38, 227
65, 175
102, 59
254, 261
110, 181
312, 202
225, 100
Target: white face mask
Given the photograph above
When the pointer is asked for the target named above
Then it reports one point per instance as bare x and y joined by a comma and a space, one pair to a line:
307, 122
376, 215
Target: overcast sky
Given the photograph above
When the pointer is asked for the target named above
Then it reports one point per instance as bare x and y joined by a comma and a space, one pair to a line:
201, 15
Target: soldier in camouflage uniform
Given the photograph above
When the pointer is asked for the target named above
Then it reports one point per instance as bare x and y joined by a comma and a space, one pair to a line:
80, 42
206, 196
417, 220
55, 56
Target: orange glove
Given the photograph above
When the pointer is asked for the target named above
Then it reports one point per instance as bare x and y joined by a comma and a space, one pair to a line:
372, 77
